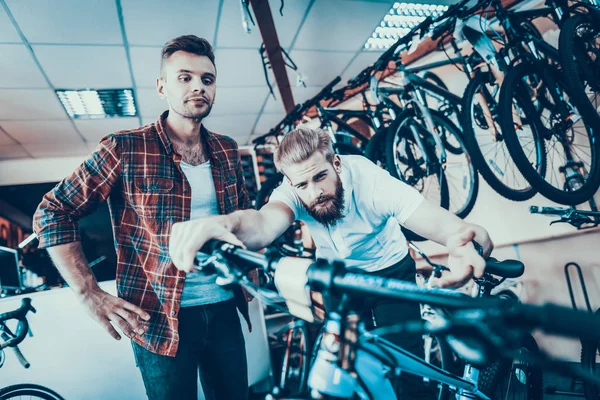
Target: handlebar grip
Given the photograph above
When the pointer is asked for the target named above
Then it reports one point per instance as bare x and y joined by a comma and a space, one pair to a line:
21, 357
563, 321
240, 256
211, 246
548, 210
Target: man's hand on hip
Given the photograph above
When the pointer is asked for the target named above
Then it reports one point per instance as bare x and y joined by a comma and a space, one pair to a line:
106, 308
189, 237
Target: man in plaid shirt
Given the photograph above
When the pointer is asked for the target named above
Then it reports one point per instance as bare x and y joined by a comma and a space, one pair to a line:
152, 177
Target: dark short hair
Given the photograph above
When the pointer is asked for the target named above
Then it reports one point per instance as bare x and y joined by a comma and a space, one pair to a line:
190, 44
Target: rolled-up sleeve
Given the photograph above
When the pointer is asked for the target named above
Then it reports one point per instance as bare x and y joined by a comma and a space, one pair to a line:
56, 219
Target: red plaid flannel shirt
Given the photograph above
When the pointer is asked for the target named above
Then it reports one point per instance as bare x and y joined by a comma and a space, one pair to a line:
139, 174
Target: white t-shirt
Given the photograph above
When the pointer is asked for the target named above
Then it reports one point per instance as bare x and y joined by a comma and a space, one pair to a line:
375, 204
198, 288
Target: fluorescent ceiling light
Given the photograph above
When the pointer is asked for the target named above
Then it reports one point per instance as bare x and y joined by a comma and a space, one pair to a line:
401, 18
102, 103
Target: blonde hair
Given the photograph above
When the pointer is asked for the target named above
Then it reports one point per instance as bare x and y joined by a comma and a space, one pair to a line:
300, 144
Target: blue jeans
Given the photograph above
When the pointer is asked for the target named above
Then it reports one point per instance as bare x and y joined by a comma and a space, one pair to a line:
211, 344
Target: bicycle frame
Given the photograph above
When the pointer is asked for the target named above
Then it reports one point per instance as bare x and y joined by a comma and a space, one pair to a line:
327, 115
365, 366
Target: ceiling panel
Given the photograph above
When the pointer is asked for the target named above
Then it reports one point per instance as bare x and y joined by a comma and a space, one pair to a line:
17, 68
79, 67
30, 104
340, 25
232, 34
57, 149
8, 33
238, 127
266, 122
67, 21
362, 61
319, 68
245, 100
154, 22
238, 68
12, 151
145, 62
95, 129
5, 139
31, 132
150, 105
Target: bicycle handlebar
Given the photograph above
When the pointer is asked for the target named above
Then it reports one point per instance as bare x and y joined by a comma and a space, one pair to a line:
19, 314
333, 277
561, 211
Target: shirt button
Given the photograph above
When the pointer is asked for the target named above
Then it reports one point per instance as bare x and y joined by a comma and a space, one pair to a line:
172, 312
185, 190
180, 280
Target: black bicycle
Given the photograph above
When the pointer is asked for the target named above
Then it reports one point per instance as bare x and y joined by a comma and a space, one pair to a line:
12, 340
354, 362
538, 103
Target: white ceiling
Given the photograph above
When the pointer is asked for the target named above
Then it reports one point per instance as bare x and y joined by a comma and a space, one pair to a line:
50, 44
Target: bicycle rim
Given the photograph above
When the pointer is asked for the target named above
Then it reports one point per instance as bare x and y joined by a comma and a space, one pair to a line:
486, 144
572, 172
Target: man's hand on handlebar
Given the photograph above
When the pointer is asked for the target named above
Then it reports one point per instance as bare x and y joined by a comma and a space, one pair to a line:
464, 261
188, 237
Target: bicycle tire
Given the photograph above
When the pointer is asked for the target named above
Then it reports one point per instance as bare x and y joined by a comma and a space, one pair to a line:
453, 135
28, 389
347, 149
375, 150
572, 63
448, 363
397, 132
266, 188
589, 351
492, 378
537, 180
511, 192
390, 136
451, 110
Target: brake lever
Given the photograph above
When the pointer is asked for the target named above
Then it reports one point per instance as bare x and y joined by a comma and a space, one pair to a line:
576, 220
438, 269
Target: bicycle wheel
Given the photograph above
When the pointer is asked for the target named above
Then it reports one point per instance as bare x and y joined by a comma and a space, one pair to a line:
589, 354
513, 379
375, 150
486, 144
405, 160
572, 174
461, 175
445, 106
30, 390
296, 362
287, 243
579, 45
266, 188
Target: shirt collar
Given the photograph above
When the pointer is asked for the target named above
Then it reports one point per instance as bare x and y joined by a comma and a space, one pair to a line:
168, 144
346, 179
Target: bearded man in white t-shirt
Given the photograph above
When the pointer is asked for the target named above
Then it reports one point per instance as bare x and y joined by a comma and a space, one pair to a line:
353, 210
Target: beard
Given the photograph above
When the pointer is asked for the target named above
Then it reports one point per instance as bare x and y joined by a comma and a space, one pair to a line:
328, 215
196, 113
